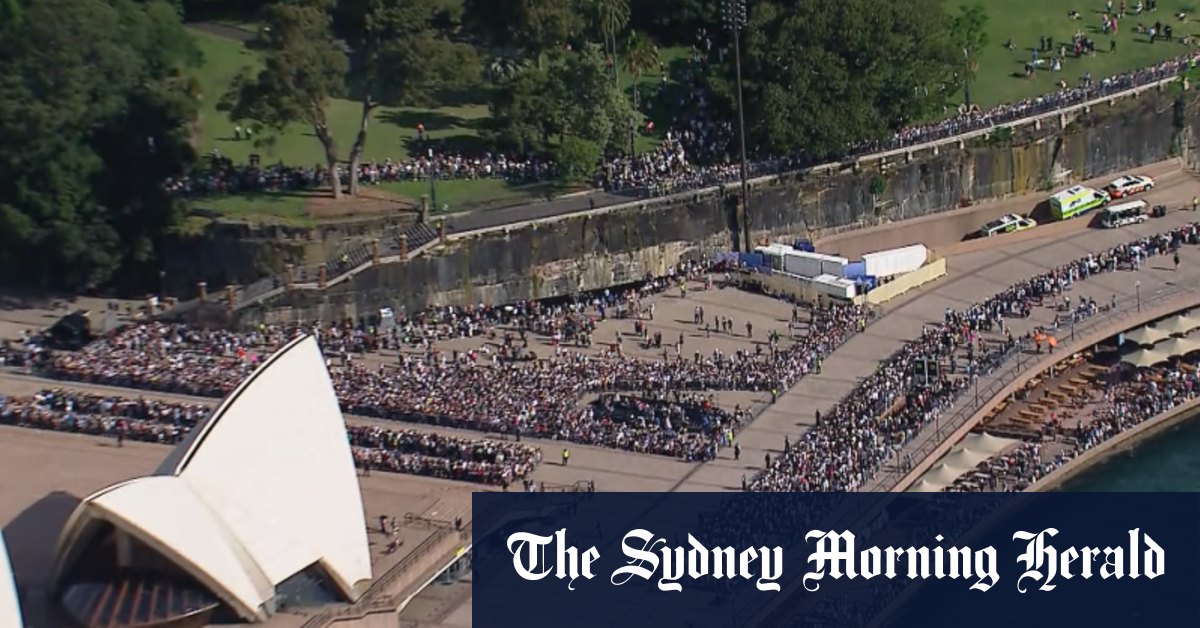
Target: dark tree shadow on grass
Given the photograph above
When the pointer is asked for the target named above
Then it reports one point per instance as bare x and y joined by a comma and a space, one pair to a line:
460, 143
433, 121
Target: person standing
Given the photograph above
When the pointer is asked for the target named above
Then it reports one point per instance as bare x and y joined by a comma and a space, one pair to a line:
566, 456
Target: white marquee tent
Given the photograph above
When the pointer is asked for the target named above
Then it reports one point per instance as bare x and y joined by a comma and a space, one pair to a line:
260, 491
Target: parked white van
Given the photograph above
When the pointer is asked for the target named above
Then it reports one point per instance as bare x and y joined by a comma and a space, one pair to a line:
1132, 213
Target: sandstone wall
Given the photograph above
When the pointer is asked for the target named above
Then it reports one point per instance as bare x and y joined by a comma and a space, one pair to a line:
600, 250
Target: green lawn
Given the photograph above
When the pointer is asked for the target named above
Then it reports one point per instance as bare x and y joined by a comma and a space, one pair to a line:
390, 127
285, 208
1000, 77
389, 131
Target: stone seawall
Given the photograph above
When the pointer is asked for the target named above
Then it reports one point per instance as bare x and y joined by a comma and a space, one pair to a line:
562, 256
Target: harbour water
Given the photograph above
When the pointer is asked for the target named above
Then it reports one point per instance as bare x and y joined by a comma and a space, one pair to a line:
1169, 461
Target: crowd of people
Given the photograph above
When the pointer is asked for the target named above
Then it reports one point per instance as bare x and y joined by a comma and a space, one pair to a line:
223, 176
851, 442
502, 386
438, 455
373, 448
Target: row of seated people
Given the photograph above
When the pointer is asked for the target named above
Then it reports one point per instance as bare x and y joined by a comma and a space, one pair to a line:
373, 447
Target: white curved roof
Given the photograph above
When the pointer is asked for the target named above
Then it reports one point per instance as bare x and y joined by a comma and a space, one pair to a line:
10, 605
262, 489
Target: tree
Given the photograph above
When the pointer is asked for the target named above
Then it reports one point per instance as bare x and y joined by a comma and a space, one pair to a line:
576, 159
807, 91
613, 16
641, 56
524, 112
534, 26
676, 21
573, 97
84, 148
403, 59
969, 31
589, 105
304, 69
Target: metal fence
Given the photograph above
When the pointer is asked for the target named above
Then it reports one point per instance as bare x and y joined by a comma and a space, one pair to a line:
987, 386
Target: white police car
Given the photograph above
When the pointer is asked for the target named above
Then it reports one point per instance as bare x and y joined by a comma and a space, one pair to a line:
1129, 185
1008, 223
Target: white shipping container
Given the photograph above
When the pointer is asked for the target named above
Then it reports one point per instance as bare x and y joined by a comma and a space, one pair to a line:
800, 263
835, 266
813, 264
896, 261
774, 255
834, 286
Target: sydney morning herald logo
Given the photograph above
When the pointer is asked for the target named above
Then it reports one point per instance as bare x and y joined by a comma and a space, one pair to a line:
651, 558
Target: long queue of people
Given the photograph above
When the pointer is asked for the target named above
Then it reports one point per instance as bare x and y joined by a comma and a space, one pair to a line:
373, 447
851, 442
1138, 396
496, 388
222, 176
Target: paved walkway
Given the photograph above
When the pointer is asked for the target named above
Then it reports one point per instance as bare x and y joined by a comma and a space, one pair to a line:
983, 269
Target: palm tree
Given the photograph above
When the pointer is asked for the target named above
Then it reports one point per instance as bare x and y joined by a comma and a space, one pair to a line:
613, 16
641, 56
501, 68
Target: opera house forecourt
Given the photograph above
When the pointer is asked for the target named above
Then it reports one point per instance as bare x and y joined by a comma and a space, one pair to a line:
226, 529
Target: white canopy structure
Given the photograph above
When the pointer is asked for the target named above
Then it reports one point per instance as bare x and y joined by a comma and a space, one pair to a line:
1145, 358
1177, 346
1146, 336
966, 455
1176, 325
963, 458
1191, 320
10, 604
925, 486
938, 478
986, 443
263, 490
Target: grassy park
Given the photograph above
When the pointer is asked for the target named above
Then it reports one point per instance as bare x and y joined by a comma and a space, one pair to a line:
459, 122
999, 78
1000, 75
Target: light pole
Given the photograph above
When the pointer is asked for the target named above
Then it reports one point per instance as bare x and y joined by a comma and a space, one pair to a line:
967, 78
1137, 286
432, 182
735, 21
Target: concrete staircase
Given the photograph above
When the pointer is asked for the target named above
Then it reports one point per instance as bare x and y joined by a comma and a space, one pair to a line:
419, 234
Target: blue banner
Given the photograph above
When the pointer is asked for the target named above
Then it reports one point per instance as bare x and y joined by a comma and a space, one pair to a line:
958, 560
